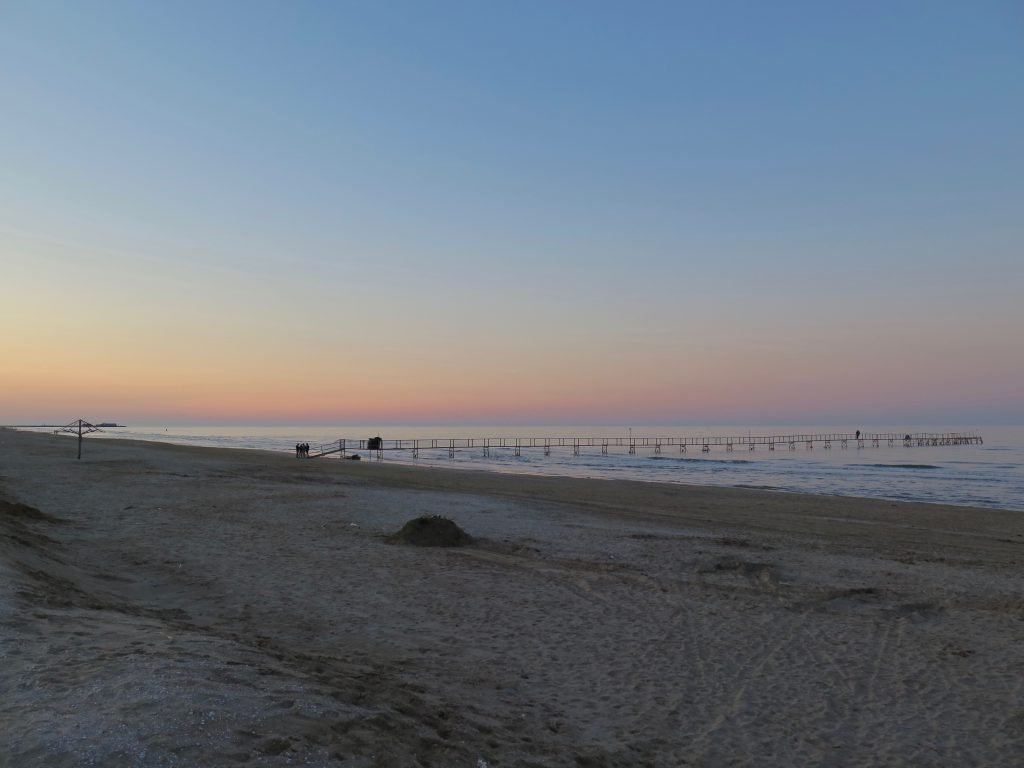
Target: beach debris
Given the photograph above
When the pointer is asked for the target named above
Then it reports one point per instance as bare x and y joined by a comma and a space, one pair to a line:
431, 531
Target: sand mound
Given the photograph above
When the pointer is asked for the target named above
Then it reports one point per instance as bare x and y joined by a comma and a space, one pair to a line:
13, 511
431, 531
18, 527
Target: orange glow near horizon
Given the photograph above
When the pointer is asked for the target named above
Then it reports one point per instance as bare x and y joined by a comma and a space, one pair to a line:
145, 358
244, 394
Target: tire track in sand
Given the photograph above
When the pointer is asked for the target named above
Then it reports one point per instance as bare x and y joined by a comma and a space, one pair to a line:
745, 675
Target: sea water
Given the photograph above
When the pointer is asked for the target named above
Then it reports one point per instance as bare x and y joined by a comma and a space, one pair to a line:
988, 475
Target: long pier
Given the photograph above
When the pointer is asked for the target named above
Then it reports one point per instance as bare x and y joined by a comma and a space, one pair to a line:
485, 445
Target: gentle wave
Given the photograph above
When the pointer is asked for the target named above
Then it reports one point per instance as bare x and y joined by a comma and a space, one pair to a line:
699, 461
901, 466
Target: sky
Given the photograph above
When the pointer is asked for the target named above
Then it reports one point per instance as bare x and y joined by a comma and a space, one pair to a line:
512, 213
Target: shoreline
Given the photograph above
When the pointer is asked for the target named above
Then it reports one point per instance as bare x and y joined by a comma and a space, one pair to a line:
163, 603
498, 472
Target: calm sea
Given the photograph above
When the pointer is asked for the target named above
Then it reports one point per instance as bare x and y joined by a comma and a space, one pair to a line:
989, 475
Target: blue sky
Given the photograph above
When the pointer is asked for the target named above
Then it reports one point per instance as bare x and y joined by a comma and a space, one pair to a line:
580, 186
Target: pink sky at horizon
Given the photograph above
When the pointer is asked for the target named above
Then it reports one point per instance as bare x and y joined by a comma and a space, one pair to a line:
133, 347
251, 390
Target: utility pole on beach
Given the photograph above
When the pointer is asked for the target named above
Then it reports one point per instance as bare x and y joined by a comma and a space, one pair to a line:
80, 428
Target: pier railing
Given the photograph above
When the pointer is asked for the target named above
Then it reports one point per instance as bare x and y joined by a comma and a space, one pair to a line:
377, 446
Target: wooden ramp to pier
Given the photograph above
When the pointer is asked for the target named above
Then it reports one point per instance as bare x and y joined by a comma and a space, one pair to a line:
485, 445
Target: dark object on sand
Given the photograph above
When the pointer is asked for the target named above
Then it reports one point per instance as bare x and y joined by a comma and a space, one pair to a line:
431, 531
374, 444
354, 457
20, 512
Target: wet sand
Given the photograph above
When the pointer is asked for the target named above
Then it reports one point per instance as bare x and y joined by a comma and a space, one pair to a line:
164, 605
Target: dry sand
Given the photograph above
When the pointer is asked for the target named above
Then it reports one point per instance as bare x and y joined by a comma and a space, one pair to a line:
171, 606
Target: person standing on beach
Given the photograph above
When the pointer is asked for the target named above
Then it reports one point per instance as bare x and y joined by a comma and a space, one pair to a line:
298, 450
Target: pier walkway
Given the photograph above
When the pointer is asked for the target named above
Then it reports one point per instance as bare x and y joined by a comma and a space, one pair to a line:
485, 445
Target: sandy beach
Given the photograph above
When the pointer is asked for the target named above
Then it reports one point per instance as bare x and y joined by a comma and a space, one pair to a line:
174, 606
